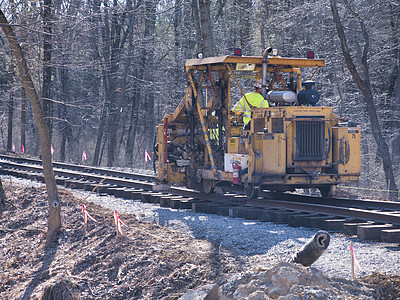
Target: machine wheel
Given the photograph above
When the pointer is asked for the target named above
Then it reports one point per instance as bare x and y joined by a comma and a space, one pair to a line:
251, 191
327, 191
208, 185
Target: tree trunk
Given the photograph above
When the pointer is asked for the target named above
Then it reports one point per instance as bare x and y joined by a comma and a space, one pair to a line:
96, 156
65, 127
105, 54
54, 222
120, 96
396, 141
264, 17
206, 28
365, 88
131, 137
2, 195
245, 26
98, 152
196, 24
23, 120
394, 84
47, 69
95, 79
10, 122
149, 74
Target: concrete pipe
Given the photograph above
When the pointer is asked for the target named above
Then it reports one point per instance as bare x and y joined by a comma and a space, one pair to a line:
313, 249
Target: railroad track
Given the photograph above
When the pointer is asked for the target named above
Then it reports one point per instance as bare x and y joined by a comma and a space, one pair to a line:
368, 219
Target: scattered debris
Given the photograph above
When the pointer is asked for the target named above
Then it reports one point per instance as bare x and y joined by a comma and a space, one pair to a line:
313, 249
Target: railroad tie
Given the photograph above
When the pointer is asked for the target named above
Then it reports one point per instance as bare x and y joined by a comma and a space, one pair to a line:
390, 235
371, 232
350, 228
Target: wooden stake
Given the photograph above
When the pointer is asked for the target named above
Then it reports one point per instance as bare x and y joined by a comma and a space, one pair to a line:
352, 259
116, 222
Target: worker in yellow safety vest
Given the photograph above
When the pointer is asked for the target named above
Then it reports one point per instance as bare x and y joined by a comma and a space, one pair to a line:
254, 99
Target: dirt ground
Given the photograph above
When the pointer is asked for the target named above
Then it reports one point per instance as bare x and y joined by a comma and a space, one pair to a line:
148, 262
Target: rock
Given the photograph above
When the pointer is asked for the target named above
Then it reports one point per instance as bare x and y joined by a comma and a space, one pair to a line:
45, 275
309, 292
246, 289
59, 289
258, 295
285, 277
205, 292
113, 268
289, 280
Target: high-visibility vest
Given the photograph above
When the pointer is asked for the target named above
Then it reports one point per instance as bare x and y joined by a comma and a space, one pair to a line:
255, 99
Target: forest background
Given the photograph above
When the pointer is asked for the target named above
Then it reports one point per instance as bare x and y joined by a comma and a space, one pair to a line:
107, 71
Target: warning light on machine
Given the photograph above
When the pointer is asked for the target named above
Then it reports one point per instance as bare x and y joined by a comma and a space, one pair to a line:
310, 54
237, 52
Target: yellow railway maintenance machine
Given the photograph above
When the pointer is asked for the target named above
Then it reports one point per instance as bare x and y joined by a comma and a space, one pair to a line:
292, 144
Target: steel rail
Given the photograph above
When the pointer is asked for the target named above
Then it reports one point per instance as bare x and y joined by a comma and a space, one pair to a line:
292, 204
81, 168
345, 202
346, 212
362, 214
73, 174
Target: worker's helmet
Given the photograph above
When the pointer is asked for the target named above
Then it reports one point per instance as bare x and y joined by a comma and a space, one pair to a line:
257, 84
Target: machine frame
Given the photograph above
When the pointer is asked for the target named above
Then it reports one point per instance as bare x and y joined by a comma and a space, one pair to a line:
285, 146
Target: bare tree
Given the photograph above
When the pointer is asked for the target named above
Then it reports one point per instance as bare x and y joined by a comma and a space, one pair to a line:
2, 195
47, 68
206, 28
245, 25
23, 119
54, 222
10, 122
364, 84
150, 24
120, 96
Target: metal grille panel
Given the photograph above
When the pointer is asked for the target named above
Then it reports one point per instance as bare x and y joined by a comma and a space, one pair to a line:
277, 125
310, 140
